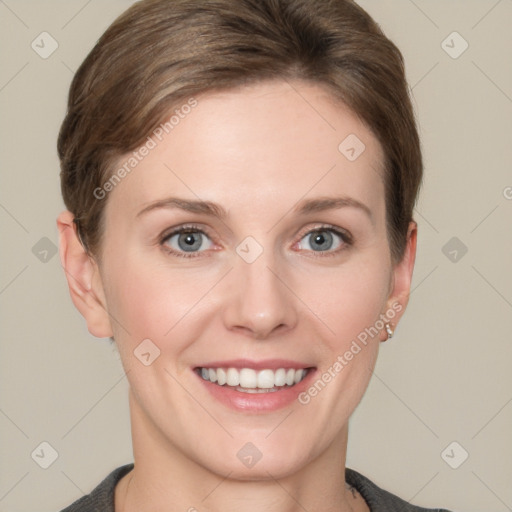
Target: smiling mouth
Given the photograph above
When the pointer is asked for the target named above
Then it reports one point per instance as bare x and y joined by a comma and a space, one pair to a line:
248, 380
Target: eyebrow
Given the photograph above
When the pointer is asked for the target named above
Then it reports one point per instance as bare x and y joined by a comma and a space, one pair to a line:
189, 205
215, 210
331, 203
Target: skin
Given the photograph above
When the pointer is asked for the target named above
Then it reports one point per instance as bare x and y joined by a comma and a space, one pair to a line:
257, 151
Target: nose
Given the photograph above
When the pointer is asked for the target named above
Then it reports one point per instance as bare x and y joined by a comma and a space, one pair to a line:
259, 301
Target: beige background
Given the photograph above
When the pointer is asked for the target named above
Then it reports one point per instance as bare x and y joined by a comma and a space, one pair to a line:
444, 377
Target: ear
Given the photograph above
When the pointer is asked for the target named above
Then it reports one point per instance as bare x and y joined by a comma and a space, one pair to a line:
401, 280
83, 277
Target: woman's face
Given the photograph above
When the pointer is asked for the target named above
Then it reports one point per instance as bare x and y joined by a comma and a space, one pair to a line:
285, 265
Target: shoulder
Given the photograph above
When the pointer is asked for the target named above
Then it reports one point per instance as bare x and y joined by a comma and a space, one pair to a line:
378, 499
101, 498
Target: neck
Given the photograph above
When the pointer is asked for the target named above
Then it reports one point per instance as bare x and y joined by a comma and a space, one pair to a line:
165, 478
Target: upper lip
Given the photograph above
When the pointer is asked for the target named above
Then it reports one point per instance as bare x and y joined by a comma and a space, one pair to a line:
264, 364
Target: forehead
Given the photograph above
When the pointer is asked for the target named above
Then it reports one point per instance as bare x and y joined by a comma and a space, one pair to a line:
267, 142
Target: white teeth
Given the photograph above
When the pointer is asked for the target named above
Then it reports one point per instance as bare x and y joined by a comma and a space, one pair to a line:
266, 379
298, 376
221, 377
232, 377
280, 377
250, 379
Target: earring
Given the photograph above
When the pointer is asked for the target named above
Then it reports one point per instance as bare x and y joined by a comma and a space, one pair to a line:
389, 331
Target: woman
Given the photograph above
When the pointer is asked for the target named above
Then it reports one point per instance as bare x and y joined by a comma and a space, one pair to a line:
239, 178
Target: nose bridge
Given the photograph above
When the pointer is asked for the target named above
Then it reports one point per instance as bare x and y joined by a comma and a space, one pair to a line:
261, 302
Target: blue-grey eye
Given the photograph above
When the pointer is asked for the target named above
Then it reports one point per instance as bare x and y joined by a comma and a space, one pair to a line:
322, 240
187, 241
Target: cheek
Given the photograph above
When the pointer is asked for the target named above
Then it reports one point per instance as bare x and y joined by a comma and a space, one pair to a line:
347, 299
156, 302
139, 302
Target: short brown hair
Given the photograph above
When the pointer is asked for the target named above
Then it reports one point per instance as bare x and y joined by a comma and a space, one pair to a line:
161, 52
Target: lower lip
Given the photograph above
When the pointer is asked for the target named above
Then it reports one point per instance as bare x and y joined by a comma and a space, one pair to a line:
257, 402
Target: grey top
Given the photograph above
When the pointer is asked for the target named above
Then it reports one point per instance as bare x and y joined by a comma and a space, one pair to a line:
101, 499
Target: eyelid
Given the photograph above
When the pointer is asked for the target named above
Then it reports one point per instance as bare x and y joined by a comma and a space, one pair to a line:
343, 233
183, 228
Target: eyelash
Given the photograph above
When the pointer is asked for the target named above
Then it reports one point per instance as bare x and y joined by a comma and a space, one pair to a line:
192, 228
